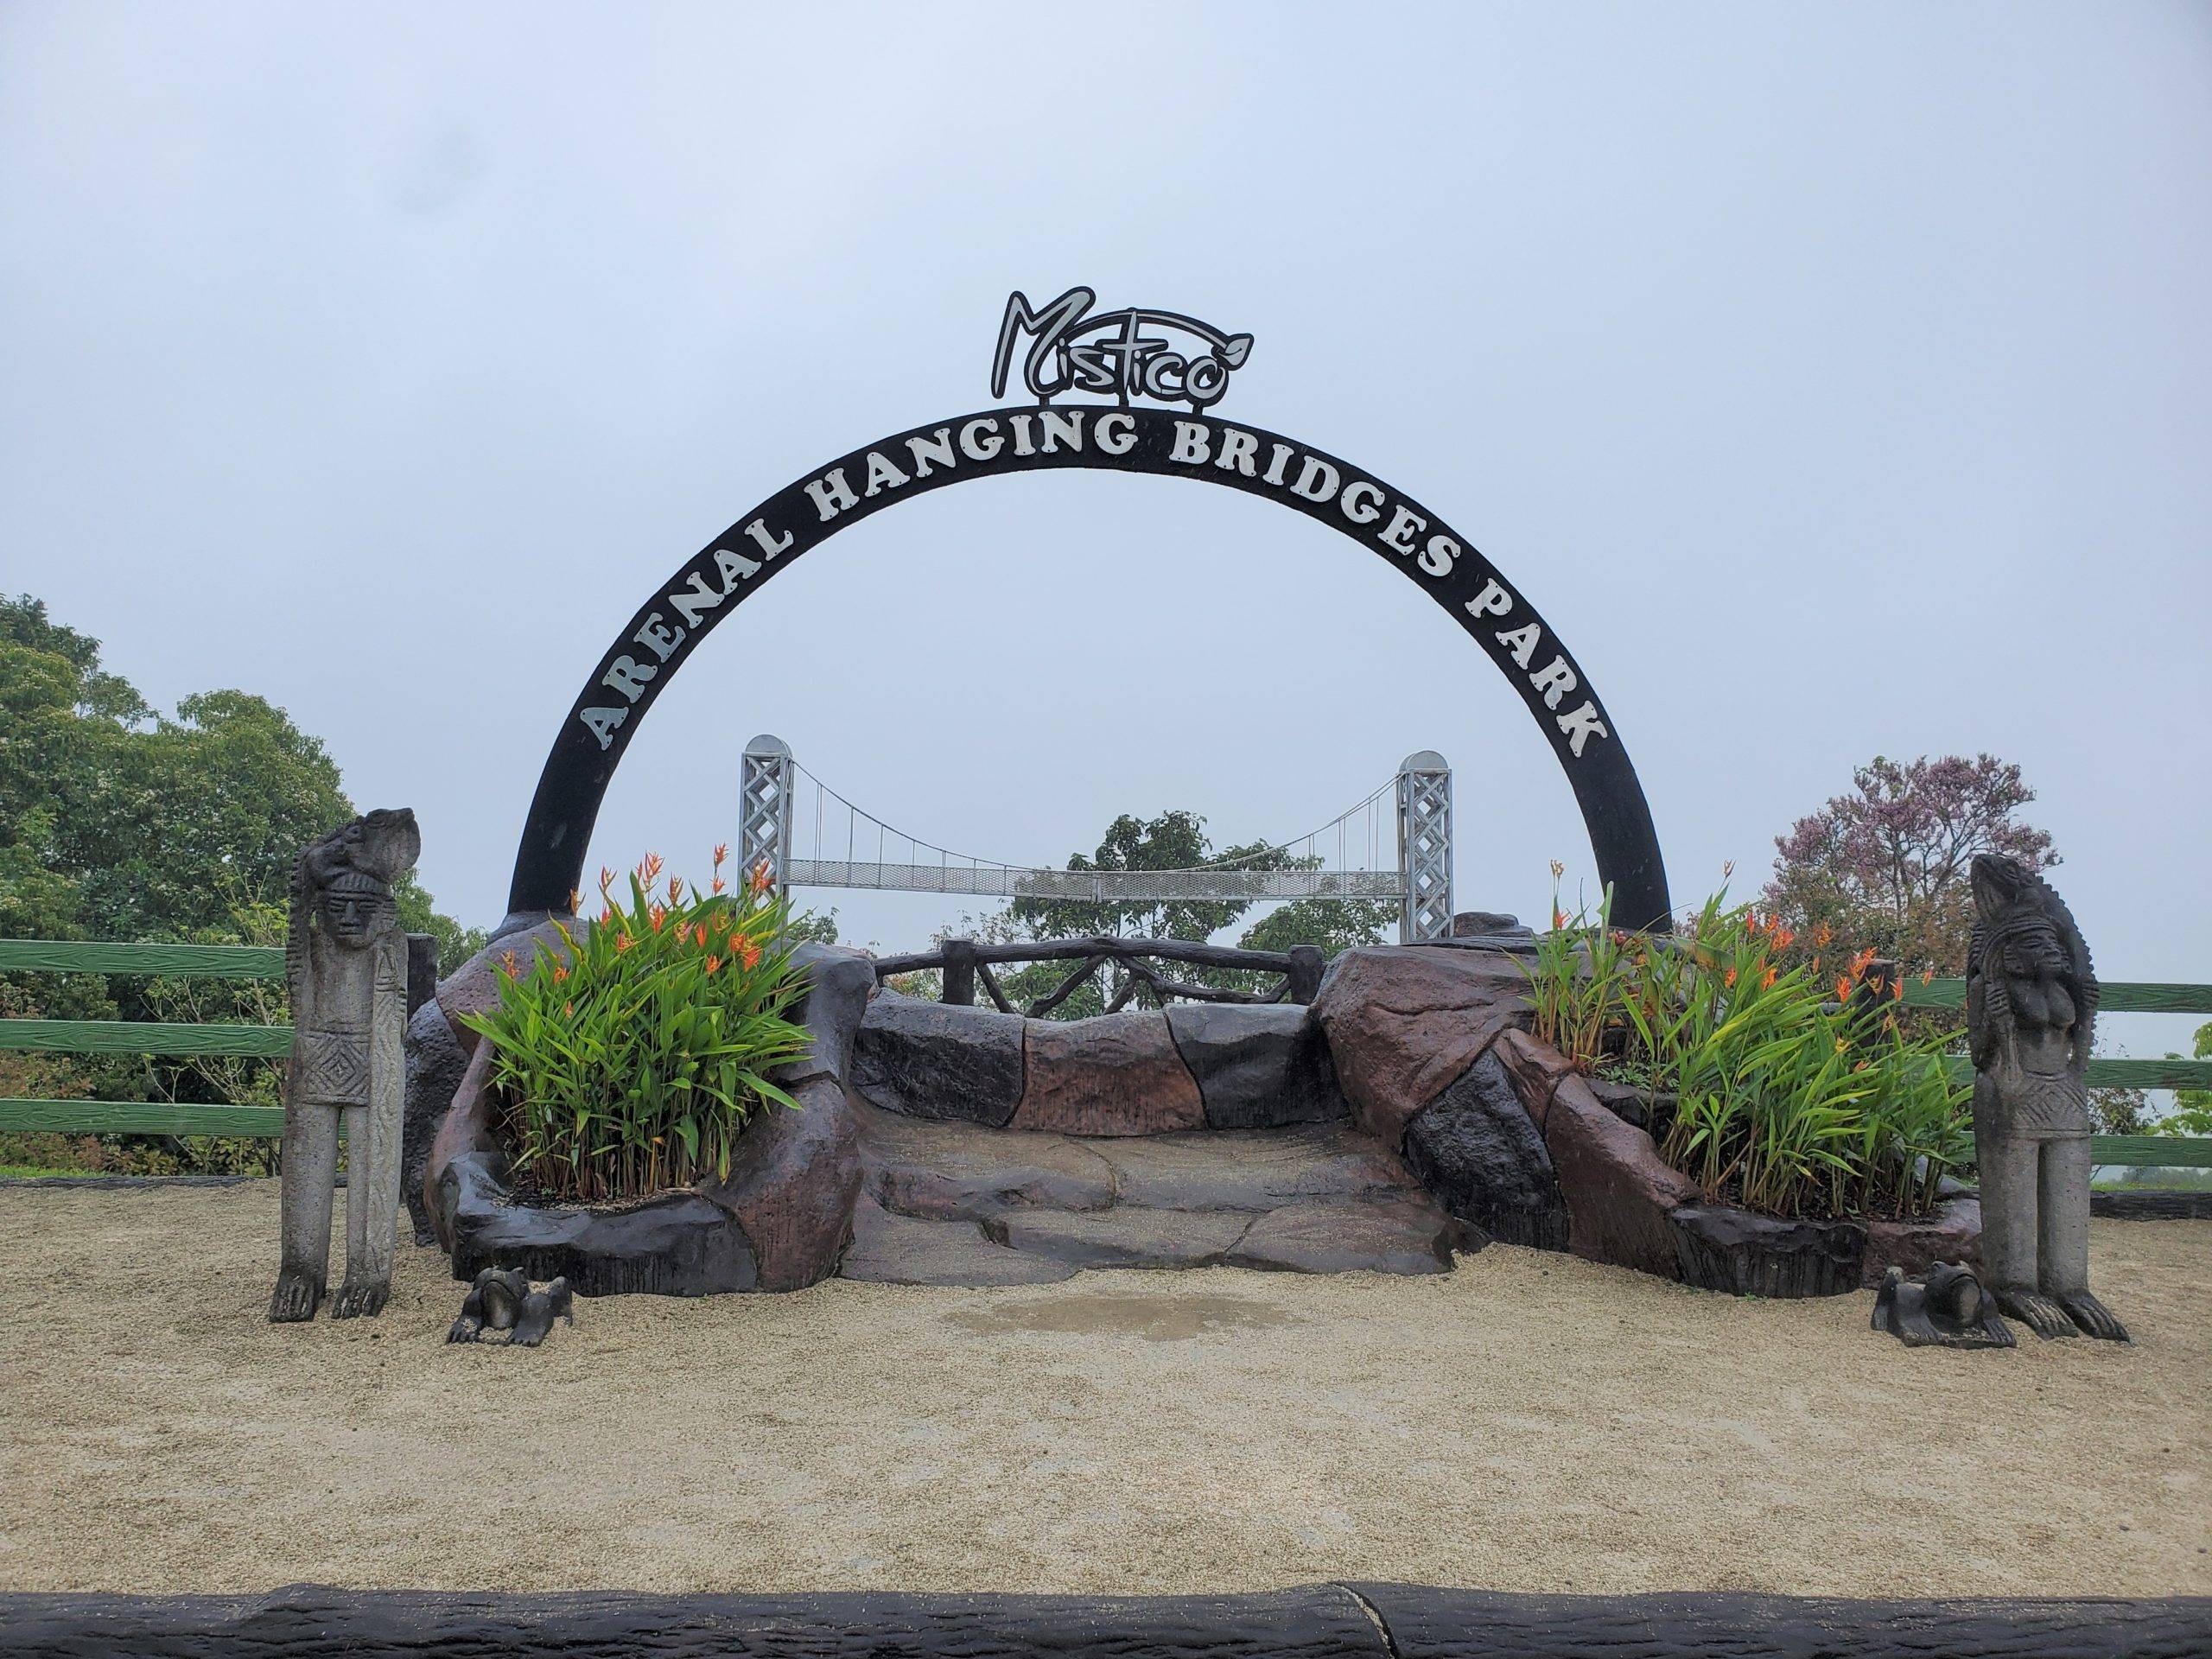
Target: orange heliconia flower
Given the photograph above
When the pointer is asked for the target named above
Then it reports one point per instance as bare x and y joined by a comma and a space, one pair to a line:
749, 953
717, 886
1559, 917
1897, 990
652, 867
1842, 987
606, 916
1859, 962
605, 877
1926, 975
624, 941
507, 964
1728, 978
560, 973
675, 888
1783, 938
760, 882
657, 915
1823, 936
722, 852
700, 934
568, 1009
576, 899
722, 923
714, 964
1767, 979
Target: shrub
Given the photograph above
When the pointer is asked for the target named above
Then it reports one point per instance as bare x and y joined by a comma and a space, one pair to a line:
1765, 1091
636, 1064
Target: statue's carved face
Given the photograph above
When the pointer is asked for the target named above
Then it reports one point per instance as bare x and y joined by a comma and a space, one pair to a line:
350, 914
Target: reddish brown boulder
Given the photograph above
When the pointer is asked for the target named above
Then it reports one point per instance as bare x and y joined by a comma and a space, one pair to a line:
791, 1185
1405, 1021
1118, 1074
1918, 1243
1536, 1069
1618, 1191
475, 986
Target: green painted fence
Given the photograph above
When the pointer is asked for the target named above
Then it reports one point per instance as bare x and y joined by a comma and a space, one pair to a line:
141, 1037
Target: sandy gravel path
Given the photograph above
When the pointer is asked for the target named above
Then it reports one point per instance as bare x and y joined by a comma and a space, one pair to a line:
1529, 1422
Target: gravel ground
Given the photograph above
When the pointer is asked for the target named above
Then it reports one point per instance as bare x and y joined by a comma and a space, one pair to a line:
1528, 1422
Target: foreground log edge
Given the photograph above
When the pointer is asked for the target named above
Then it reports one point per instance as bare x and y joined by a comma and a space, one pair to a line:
1371, 1621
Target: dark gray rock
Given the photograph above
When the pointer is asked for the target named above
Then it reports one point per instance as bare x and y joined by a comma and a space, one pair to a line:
946, 1171
1252, 1169
940, 1061
1257, 1066
1123, 1237
674, 1244
1490, 925
1722, 1248
1405, 1237
1624, 1100
436, 1060
889, 1248
838, 984
1475, 1147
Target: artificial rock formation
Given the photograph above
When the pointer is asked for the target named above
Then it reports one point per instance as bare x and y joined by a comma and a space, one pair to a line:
1115, 1074
1405, 1023
938, 1060
1476, 1148
345, 969
2032, 1007
780, 1221
1257, 1066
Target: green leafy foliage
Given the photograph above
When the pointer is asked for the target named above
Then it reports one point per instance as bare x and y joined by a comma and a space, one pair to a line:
634, 1065
1767, 1093
119, 823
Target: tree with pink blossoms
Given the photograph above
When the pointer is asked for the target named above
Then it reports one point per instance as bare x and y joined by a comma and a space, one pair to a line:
1884, 868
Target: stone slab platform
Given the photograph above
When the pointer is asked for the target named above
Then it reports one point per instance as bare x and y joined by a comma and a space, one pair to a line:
951, 1203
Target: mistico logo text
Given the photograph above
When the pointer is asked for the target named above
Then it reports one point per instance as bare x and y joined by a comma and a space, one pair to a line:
1162, 355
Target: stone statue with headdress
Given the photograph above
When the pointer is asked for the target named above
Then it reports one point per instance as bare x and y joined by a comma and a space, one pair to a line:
345, 966
2032, 1009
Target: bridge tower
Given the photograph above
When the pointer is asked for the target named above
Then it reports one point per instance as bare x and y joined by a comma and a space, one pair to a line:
764, 807
1425, 846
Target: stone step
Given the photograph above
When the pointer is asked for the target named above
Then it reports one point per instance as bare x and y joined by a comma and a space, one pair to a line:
950, 1203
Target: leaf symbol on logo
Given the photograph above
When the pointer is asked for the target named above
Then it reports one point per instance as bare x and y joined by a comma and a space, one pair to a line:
1235, 350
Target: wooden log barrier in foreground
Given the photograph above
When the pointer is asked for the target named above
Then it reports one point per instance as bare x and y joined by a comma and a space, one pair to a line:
1332, 1621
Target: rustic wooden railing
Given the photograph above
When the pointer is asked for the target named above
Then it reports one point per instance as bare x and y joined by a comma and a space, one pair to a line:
2117, 996
966, 965
225, 1039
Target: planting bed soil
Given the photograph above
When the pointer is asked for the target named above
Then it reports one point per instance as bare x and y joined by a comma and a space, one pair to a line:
1531, 1421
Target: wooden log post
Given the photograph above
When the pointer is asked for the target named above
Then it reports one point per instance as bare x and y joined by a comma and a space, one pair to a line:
1303, 976
960, 972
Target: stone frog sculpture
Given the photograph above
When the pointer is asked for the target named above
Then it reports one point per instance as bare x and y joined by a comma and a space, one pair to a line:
501, 1299
1944, 1308
2031, 1005
345, 966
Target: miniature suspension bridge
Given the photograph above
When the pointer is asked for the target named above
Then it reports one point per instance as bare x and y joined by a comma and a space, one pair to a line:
1394, 846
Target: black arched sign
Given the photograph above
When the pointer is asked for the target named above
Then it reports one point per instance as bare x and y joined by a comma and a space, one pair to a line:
660, 637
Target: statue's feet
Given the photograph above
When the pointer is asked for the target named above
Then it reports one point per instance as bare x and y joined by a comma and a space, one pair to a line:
298, 1294
2091, 1315
364, 1297
2039, 1313
465, 1329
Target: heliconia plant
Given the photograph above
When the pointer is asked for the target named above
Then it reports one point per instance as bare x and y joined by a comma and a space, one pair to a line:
634, 1065
1765, 1091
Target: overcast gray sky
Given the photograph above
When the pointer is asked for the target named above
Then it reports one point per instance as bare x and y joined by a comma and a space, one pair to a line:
381, 360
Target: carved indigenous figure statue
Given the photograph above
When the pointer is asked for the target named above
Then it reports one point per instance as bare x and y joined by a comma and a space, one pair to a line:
2031, 1006
346, 963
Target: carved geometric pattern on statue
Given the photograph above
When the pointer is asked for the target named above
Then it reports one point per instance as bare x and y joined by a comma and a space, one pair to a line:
335, 1067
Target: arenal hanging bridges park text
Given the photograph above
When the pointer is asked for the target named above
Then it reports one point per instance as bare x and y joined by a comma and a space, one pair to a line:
1130, 362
